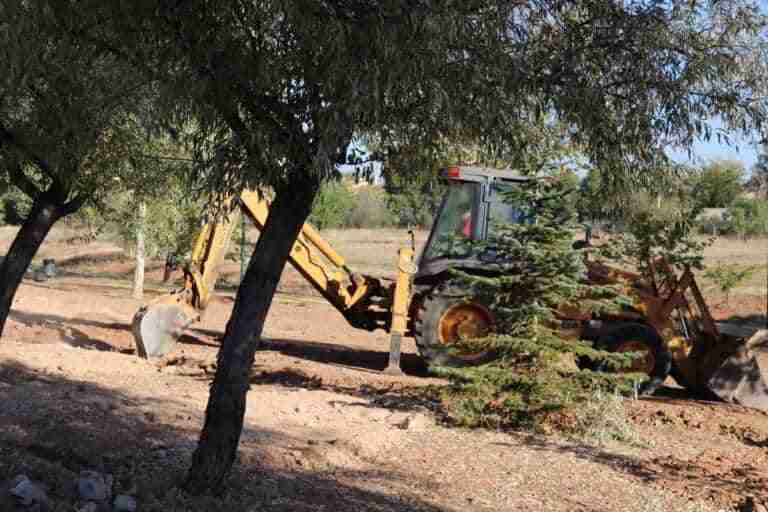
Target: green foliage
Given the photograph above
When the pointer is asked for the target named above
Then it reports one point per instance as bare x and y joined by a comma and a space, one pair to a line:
370, 210
390, 71
593, 200
747, 217
718, 184
411, 180
572, 185
67, 107
758, 178
336, 206
729, 276
535, 373
662, 229
90, 221
412, 206
15, 206
603, 418
171, 223
332, 205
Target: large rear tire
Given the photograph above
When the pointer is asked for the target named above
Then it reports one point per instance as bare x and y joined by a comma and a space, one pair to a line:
657, 362
446, 315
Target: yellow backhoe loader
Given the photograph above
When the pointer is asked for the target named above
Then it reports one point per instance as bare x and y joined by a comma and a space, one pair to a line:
669, 323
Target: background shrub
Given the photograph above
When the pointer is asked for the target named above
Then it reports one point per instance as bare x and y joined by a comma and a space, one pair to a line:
332, 206
370, 210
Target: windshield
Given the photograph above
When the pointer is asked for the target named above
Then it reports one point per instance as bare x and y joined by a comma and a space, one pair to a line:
455, 223
502, 208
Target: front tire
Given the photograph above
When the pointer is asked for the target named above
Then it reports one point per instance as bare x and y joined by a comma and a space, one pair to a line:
446, 315
657, 362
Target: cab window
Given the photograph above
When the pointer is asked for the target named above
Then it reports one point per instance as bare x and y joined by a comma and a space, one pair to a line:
501, 210
455, 223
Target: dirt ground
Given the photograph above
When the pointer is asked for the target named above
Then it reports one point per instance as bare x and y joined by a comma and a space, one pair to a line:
324, 430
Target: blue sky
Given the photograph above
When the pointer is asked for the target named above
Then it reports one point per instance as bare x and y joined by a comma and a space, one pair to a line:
741, 149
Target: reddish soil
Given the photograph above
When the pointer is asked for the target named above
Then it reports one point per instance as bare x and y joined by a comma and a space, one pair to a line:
324, 430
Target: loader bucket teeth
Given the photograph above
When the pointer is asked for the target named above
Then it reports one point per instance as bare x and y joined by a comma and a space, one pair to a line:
156, 328
743, 377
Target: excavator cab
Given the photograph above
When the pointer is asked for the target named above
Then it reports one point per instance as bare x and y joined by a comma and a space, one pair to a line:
442, 312
473, 204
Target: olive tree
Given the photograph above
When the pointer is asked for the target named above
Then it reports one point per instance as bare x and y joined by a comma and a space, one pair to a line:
278, 90
65, 117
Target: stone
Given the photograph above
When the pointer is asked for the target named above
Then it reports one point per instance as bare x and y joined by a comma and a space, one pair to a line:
88, 506
419, 423
398, 421
49, 268
124, 503
414, 422
27, 493
94, 486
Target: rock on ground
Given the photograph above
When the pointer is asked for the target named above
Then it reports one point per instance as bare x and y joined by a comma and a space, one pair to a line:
27, 493
125, 503
94, 486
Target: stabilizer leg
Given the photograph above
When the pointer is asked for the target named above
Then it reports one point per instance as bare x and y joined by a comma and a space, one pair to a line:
395, 345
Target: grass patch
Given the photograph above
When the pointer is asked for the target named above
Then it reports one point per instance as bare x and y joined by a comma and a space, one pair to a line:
603, 418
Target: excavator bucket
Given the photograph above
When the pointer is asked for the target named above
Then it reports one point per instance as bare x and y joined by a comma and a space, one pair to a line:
743, 377
158, 325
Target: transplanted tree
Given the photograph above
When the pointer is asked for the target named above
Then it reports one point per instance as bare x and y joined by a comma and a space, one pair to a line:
64, 117
279, 88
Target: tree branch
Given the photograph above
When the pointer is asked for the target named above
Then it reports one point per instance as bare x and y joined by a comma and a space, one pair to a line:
73, 204
21, 180
39, 161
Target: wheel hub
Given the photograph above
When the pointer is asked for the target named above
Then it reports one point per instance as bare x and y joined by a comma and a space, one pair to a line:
464, 321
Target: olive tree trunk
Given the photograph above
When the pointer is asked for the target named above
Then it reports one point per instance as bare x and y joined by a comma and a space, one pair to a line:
217, 448
35, 228
138, 273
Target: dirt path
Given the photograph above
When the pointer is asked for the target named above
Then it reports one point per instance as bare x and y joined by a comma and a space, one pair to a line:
324, 430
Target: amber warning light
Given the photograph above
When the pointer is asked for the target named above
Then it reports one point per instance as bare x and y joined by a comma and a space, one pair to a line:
451, 172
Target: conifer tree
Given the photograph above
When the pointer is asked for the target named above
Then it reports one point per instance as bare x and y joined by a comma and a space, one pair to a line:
538, 280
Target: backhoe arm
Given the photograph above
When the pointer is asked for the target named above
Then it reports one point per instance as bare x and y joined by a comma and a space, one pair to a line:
363, 301
327, 271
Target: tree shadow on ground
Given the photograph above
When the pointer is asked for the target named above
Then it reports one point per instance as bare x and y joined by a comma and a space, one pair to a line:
67, 330
373, 396
333, 354
71, 335
387, 393
71, 266
695, 476
54, 427
343, 355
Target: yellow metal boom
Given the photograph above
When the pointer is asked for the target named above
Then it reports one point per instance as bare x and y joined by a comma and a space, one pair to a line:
363, 300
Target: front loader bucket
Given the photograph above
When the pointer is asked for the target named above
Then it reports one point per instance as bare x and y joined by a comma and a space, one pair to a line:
158, 325
743, 377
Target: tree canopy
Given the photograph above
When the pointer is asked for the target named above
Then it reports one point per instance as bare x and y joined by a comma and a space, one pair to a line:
282, 86
274, 91
67, 123
718, 183
65, 107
